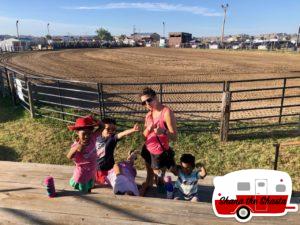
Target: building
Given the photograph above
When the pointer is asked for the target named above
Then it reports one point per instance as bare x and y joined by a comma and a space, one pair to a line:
179, 39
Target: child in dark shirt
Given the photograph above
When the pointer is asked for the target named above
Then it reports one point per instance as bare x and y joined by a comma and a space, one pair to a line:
105, 145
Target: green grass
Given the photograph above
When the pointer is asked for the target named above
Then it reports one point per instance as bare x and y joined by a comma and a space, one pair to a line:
47, 141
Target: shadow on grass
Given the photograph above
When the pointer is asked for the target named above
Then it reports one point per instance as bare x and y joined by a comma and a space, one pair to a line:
197, 126
9, 112
265, 135
8, 154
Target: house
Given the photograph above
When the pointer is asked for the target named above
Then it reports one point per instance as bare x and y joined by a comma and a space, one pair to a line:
179, 39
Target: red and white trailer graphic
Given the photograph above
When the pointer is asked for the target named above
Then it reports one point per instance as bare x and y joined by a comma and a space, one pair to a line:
254, 192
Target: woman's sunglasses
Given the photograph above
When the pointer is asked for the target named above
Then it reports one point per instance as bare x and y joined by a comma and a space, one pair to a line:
147, 100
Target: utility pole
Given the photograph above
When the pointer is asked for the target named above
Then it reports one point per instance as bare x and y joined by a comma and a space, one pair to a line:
224, 7
134, 31
48, 29
164, 24
17, 25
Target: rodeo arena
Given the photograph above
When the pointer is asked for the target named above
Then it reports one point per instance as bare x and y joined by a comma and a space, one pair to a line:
236, 89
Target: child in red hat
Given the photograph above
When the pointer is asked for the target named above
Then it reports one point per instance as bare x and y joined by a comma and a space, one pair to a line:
83, 153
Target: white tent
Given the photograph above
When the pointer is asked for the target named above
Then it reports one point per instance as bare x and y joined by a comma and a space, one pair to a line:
12, 44
8, 45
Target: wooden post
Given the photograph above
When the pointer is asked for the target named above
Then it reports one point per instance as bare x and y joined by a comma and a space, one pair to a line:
282, 99
277, 146
225, 113
30, 99
226, 86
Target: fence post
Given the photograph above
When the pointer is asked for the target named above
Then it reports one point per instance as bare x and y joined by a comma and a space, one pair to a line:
7, 80
226, 86
161, 93
25, 81
225, 112
282, 99
60, 101
277, 146
102, 100
30, 99
10, 81
2, 84
99, 99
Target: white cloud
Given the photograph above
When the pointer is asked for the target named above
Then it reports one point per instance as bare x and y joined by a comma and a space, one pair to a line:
163, 7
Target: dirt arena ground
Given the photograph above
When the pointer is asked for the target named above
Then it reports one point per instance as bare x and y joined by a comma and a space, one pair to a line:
158, 65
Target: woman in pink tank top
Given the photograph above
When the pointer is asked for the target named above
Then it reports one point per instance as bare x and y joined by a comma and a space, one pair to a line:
160, 128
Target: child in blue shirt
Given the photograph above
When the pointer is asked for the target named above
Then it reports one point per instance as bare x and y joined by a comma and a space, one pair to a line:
186, 186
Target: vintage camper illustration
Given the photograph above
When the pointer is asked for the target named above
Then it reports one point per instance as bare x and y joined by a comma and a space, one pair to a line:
254, 192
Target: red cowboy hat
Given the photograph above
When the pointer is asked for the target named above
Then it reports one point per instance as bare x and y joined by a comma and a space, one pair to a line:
84, 122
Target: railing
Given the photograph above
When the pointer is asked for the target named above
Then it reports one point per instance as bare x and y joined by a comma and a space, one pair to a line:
225, 106
269, 99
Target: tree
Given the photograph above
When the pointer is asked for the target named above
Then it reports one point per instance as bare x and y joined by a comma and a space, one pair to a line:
104, 35
48, 37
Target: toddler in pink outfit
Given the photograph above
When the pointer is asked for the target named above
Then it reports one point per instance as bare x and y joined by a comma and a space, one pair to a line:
83, 153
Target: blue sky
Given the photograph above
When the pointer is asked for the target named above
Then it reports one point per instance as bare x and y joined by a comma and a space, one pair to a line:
199, 17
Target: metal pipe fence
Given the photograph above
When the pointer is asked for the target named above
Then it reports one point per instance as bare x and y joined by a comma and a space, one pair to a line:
224, 106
